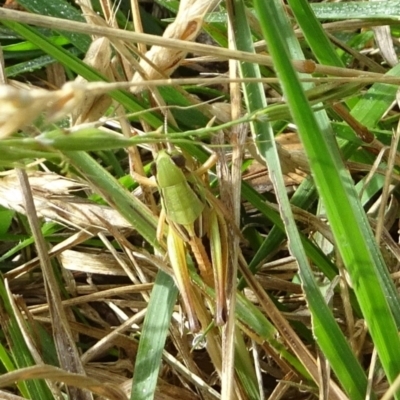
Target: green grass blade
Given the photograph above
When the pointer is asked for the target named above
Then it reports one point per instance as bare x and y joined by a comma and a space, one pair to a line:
354, 237
332, 335
314, 34
357, 10
8, 365
153, 337
60, 9
34, 389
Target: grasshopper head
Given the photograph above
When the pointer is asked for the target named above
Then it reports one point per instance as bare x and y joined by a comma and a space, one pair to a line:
168, 169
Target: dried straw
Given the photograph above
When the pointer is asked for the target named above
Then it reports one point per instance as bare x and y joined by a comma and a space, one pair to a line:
160, 62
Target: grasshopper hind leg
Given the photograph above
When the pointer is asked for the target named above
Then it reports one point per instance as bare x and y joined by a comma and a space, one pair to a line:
177, 257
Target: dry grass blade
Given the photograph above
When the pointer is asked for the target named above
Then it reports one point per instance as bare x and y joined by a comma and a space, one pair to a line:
391, 163
229, 193
73, 240
9, 396
108, 390
160, 62
91, 263
93, 107
307, 66
52, 199
385, 44
65, 344
108, 340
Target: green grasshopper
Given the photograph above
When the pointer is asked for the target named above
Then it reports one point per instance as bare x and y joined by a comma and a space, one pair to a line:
185, 202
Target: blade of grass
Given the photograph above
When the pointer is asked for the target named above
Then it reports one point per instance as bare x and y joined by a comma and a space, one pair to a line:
370, 109
262, 131
314, 34
34, 389
357, 10
354, 237
60, 9
153, 337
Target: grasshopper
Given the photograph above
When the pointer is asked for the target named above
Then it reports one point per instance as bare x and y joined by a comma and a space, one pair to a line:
186, 202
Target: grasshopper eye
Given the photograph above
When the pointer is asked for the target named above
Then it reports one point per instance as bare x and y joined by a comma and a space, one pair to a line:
153, 168
179, 160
